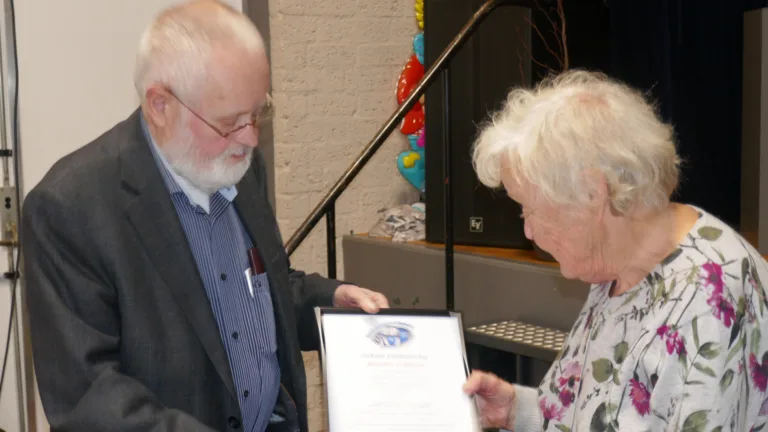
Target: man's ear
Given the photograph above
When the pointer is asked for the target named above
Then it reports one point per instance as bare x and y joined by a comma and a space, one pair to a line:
157, 108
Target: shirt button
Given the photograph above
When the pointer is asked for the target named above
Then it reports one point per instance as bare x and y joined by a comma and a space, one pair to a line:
234, 422
245, 393
223, 276
235, 335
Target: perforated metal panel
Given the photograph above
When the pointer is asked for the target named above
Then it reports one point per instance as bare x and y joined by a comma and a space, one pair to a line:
520, 338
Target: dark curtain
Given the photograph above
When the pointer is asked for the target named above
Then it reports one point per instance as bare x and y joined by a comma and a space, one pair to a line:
688, 55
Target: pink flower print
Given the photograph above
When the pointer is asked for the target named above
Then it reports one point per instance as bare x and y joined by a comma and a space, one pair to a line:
662, 331
759, 371
551, 411
714, 277
566, 397
675, 342
571, 375
722, 309
640, 396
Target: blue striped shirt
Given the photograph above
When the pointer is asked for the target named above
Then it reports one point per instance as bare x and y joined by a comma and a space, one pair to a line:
243, 311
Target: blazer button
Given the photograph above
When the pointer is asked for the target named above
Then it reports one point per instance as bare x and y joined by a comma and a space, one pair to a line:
234, 422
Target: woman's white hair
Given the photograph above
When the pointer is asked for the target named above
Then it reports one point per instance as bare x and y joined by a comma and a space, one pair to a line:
176, 49
576, 124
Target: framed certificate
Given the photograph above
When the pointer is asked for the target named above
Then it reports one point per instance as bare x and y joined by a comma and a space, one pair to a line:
395, 371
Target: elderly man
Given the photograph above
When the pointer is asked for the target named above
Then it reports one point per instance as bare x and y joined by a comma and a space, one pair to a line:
159, 293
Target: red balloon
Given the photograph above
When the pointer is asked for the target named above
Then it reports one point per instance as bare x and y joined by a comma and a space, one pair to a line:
409, 77
413, 121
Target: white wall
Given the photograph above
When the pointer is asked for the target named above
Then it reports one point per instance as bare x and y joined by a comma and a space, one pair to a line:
75, 67
335, 67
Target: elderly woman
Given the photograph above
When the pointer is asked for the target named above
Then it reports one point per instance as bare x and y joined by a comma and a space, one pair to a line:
672, 333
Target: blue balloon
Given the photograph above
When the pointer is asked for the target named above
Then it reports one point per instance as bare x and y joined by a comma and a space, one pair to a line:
418, 47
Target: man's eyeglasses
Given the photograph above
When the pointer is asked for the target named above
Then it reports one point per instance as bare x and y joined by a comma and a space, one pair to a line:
258, 117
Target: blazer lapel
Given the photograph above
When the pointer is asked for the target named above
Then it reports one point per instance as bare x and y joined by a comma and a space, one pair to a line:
152, 214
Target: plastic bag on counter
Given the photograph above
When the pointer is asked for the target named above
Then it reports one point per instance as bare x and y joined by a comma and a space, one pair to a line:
402, 223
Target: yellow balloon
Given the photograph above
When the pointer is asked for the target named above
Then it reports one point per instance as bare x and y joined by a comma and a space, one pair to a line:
419, 6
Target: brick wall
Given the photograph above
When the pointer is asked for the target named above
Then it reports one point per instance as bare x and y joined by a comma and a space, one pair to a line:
335, 65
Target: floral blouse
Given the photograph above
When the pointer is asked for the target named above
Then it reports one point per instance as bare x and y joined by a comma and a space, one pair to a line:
684, 350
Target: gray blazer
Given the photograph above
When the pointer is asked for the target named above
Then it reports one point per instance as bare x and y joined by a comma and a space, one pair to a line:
123, 336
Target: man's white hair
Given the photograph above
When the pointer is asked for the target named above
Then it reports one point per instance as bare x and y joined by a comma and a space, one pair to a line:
176, 49
575, 125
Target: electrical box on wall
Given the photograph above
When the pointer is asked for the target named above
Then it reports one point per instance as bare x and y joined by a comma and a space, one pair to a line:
8, 213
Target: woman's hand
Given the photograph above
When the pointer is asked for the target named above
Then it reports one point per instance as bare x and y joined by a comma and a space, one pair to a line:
495, 399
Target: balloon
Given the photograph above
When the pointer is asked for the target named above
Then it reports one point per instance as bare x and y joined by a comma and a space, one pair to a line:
421, 141
418, 47
411, 166
419, 6
412, 73
413, 121
411, 163
413, 140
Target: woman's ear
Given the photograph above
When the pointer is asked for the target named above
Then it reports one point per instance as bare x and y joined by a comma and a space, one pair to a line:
597, 188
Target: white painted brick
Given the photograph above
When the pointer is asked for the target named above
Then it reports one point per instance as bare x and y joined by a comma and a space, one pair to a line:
289, 55
314, 130
292, 80
382, 55
314, 7
293, 29
402, 31
336, 29
393, 8
376, 105
331, 55
290, 106
302, 179
365, 129
331, 78
374, 78
332, 104
293, 206
335, 67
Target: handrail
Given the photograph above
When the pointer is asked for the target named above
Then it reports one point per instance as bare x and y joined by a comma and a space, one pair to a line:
326, 207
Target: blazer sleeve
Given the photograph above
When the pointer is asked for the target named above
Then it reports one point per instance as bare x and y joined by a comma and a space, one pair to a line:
307, 290
75, 326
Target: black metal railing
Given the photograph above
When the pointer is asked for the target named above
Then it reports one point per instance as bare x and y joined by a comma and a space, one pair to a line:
327, 206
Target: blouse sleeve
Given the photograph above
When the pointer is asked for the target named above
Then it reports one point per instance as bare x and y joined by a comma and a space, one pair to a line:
527, 413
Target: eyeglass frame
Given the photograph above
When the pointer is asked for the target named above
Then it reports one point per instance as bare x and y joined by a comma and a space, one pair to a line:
264, 113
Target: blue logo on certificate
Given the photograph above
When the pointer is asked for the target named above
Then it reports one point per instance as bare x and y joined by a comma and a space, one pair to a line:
391, 335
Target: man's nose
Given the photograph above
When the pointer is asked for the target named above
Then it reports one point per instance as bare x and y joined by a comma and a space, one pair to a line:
248, 136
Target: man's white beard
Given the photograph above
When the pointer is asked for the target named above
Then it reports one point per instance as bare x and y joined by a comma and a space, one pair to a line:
208, 175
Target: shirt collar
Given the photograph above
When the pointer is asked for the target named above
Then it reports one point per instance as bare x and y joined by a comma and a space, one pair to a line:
178, 184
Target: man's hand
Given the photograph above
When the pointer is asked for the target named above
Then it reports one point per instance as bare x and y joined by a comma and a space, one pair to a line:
353, 296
